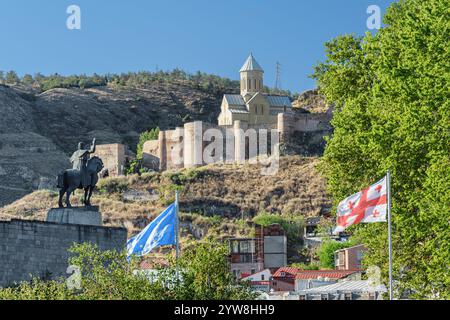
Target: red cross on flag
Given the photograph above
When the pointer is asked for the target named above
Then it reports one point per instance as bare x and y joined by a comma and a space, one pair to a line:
366, 206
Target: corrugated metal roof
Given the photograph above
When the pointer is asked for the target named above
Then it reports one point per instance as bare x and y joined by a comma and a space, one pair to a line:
332, 274
349, 286
251, 65
238, 110
279, 101
234, 99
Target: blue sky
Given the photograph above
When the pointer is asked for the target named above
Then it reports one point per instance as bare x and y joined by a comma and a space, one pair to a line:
214, 36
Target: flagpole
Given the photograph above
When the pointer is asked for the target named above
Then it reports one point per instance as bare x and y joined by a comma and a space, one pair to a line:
177, 227
391, 294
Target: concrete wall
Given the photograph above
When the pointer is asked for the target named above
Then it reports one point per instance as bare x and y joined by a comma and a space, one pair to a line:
275, 251
40, 248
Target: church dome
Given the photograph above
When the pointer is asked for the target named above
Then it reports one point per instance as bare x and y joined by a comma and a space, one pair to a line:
251, 65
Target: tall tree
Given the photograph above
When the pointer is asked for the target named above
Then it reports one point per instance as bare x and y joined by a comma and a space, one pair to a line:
391, 92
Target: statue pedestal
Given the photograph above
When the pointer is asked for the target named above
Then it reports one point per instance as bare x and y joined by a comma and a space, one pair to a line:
88, 216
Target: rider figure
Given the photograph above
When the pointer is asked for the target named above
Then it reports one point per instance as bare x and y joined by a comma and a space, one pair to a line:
79, 161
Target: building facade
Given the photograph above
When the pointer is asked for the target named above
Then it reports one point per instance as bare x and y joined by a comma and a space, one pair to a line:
349, 258
267, 250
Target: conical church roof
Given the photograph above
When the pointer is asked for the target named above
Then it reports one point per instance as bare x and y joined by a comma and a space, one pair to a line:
251, 65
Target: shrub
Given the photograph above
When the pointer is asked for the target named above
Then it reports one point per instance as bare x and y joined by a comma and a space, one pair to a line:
113, 185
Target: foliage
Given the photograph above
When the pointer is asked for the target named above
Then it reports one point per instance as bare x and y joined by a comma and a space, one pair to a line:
202, 273
206, 274
113, 185
133, 167
143, 79
304, 266
292, 224
12, 77
393, 112
326, 252
152, 134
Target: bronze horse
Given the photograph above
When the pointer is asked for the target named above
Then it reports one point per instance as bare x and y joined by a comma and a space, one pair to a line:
70, 180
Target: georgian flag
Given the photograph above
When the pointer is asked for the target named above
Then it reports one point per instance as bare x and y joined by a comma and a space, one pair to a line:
366, 206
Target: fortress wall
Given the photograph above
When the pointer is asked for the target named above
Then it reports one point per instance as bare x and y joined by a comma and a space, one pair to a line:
171, 149
288, 123
40, 248
113, 157
150, 154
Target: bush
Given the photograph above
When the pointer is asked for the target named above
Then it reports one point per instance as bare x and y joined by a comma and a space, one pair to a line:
113, 185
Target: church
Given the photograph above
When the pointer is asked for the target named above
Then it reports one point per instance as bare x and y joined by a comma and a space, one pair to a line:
252, 105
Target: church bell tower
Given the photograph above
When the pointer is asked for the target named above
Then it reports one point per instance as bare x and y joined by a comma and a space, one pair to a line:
251, 78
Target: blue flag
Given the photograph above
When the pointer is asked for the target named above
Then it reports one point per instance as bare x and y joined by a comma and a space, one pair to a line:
161, 231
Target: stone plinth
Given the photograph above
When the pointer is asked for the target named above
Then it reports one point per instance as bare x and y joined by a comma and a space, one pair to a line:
88, 216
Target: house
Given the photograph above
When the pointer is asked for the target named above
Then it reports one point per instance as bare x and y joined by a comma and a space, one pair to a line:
268, 249
246, 257
349, 258
284, 279
311, 227
306, 279
344, 290
260, 281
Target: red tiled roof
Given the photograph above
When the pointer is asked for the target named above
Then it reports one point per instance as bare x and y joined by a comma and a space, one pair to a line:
332, 274
289, 272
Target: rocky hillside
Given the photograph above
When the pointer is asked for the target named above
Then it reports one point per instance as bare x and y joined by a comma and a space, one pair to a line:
228, 191
311, 101
39, 130
216, 201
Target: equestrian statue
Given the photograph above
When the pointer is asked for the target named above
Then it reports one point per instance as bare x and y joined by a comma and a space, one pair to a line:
83, 175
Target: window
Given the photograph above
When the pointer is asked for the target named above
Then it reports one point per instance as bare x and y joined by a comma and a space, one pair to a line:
252, 271
348, 296
324, 297
262, 277
235, 247
249, 84
302, 297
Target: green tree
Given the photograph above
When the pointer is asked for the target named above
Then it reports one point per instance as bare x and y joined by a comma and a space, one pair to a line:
27, 79
202, 272
12, 77
152, 134
206, 274
391, 92
326, 252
